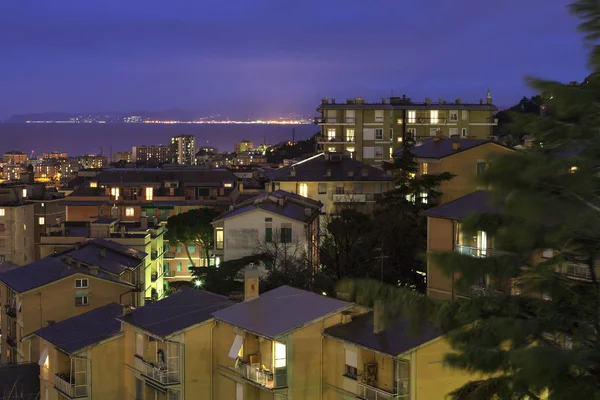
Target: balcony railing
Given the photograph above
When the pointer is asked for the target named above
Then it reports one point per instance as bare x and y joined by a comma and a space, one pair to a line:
160, 373
426, 121
335, 139
11, 310
169, 254
11, 340
478, 252
262, 377
154, 254
372, 393
350, 198
334, 120
575, 270
71, 390
154, 276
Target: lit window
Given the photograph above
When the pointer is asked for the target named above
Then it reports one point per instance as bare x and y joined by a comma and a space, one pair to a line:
412, 117
391, 152
219, 236
129, 212
331, 149
399, 139
81, 283
424, 197
41, 221
114, 192
93, 184
228, 185
24, 192
424, 168
434, 116
303, 189
149, 193
350, 135
2, 212
44, 362
81, 300
280, 355
399, 122
331, 134
573, 169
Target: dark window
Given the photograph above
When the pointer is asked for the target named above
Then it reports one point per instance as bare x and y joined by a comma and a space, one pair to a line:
481, 167
286, 235
350, 372
268, 235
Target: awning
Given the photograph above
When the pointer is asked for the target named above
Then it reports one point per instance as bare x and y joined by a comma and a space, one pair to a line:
44, 357
236, 346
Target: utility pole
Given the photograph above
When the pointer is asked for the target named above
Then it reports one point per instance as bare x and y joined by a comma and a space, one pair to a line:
381, 257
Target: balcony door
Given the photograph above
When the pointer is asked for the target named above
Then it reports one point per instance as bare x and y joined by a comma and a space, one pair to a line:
401, 382
482, 243
79, 366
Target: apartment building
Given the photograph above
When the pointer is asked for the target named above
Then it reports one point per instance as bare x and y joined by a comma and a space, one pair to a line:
155, 155
270, 346
281, 224
333, 179
466, 159
82, 357
122, 156
141, 237
59, 287
365, 359
55, 155
12, 172
168, 347
92, 161
244, 145
47, 170
370, 132
183, 149
14, 157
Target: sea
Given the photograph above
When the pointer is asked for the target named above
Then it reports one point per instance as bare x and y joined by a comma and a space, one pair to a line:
78, 139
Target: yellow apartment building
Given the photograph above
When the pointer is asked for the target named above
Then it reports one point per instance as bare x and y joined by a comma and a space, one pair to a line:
466, 159
366, 360
270, 346
147, 240
82, 356
167, 348
56, 288
370, 132
334, 179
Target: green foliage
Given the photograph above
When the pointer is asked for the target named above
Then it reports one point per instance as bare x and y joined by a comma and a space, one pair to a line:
192, 227
228, 277
293, 150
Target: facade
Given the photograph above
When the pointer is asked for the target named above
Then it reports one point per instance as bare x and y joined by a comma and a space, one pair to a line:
145, 239
14, 157
13, 172
82, 356
59, 287
47, 171
183, 150
370, 132
168, 347
281, 224
151, 154
55, 155
333, 179
244, 145
125, 156
91, 161
466, 159
366, 360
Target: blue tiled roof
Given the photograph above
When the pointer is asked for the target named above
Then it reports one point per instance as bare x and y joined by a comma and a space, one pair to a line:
476, 202
84, 330
179, 311
442, 147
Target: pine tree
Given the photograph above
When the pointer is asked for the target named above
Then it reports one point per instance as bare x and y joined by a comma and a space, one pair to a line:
541, 340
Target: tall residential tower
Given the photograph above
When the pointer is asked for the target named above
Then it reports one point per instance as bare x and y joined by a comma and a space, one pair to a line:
183, 149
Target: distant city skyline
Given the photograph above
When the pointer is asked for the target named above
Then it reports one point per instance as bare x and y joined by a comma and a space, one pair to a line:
268, 58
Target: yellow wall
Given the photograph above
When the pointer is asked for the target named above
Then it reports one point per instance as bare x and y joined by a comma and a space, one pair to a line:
108, 369
198, 362
440, 237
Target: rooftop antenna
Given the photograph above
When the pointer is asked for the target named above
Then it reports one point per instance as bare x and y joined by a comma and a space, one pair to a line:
293, 135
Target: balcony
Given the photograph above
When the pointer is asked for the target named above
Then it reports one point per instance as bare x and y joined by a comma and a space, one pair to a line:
426, 121
154, 276
11, 341
154, 254
575, 270
262, 377
350, 198
11, 310
477, 252
169, 255
484, 121
161, 373
334, 121
372, 393
70, 389
335, 139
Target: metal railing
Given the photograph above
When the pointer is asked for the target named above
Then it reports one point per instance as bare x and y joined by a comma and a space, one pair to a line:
426, 121
349, 198
160, 373
169, 254
372, 393
575, 270
478, 252
335, 139
71, 390
334, 120
257, 375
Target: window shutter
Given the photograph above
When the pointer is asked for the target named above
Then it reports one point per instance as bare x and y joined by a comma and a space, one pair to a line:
351, 358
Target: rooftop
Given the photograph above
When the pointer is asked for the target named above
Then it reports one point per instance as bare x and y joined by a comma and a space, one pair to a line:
443, 147
279, 202
179, 311
459, 209
280, 311
404, 103
393, 341
84, 330
323, 167
190, 176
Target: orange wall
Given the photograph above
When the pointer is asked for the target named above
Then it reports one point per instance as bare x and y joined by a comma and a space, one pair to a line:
440, 237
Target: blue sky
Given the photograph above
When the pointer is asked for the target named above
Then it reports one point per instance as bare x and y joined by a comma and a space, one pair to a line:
269, 57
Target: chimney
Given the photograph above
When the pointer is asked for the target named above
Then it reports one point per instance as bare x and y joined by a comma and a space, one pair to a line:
440, 100
94, 269
455, 146
328, 171
439, 133
365, 172
378, 314
324, 100
459, 101
350, 174
427, 101
307, 211
251, 275
51, 322
383, 100
488, 99
68, 260
144, 222
126, 309
332, 100
360, 100
346, 317
102, 253
480, 101
293, 172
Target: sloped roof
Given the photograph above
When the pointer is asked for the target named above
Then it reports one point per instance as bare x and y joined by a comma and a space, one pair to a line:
294, 206
443, 147
393, 341
189, 175
45, 271
280, 311
476, 202
315, 169
76, 333
179, 311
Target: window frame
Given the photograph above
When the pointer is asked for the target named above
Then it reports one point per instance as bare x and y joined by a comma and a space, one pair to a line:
380, 135
81, 281
84, 301
129, 212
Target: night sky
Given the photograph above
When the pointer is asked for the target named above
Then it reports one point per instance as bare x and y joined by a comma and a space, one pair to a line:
268, 57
